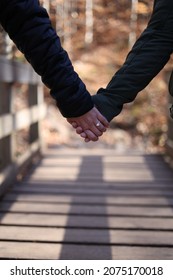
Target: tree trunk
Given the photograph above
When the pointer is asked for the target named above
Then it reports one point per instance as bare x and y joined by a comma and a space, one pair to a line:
133, 22
89, 22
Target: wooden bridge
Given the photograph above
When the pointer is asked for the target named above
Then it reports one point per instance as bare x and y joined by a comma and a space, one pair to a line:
82, 203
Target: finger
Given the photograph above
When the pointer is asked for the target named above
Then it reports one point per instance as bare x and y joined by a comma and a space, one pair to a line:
100, 126
91, 136
103, 120
87, 140
83, 135
95, 130
79, 130
74, 125
92, 127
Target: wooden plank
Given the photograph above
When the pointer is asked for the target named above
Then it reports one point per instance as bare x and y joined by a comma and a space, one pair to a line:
34, 251
8, 175
21, 119
14, 71
141, 253
82, 182
84, 252
34, 188
31, 234
86, 221
87, 236
14, 250
85, 209
66, 175
38, 251
116, 174
108, 200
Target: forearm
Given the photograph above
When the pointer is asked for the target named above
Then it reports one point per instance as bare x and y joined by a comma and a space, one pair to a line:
28, 25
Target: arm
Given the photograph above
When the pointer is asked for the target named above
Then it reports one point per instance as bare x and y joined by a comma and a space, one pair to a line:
148, 56
28, 25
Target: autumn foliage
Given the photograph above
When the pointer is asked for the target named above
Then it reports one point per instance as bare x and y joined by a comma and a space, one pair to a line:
112, 23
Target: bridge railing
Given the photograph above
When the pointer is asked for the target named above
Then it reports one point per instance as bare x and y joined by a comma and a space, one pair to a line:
22, 110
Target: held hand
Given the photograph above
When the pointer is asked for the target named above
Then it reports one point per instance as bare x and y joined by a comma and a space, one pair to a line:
82, 133
93, 124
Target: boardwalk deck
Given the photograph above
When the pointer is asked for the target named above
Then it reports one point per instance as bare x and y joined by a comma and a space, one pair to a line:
90, 204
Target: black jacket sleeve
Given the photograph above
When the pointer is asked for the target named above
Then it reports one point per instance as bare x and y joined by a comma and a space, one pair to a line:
28, 25
148, 56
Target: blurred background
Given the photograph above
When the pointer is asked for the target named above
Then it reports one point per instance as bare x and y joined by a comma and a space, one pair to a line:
98, 34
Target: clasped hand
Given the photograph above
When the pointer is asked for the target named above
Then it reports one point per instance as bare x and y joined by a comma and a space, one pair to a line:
90, 126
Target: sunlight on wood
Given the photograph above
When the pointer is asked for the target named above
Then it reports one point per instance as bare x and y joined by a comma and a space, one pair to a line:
122, 169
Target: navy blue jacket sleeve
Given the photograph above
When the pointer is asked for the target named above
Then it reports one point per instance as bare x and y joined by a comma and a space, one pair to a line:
148, 56
28, 25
